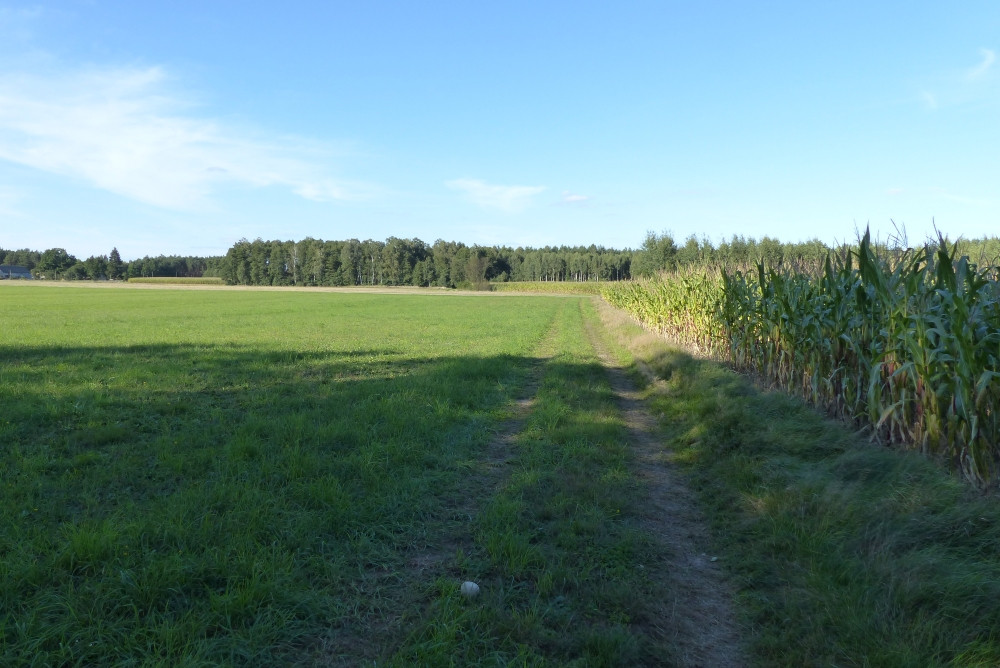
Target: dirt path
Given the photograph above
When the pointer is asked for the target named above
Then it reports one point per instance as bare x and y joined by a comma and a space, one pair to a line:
699, 618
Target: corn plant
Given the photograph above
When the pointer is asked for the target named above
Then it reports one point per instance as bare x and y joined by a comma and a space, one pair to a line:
905, 343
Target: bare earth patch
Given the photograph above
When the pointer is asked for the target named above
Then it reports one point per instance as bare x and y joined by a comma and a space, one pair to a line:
699, 619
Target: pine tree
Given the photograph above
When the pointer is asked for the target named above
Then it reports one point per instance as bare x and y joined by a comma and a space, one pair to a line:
115, 265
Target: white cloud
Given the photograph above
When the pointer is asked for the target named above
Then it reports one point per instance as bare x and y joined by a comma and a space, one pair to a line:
963, 87
511, 199
571, 198
125, 131
989, 57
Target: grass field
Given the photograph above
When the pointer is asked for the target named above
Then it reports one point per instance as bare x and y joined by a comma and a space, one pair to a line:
259, 478
285, 477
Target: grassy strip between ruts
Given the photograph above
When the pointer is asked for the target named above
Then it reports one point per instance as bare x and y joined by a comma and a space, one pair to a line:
557, 549
844, 553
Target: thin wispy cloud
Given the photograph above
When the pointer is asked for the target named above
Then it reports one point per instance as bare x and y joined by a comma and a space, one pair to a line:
573, 198
124, 130
980, 70
509, 199
972, 85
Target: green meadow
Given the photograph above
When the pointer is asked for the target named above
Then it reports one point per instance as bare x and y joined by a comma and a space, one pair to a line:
268, 478
285, 477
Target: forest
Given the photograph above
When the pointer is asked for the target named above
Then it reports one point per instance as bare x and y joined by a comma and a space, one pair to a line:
449, 264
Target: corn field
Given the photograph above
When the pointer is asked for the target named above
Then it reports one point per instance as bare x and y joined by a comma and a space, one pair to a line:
905, 343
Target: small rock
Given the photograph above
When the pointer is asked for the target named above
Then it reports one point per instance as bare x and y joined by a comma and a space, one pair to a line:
470, 589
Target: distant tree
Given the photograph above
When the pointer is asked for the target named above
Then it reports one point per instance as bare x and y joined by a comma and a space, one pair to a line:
771, 251
423, 273
115, 265
475, 270
737, 252
23, 257
237, 266
313, 261
278, 260
396, 266
54, 262
75, 272
351, 267
96, 267
459, 265
658, 253
259, 252
443, 255
217, 266
806, 257
531, 266
371, 261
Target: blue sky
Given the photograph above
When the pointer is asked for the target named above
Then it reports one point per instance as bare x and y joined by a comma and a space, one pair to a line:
180, 127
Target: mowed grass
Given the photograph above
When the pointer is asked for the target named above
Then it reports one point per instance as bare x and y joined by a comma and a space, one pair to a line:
272, 478
557, 548
224, 476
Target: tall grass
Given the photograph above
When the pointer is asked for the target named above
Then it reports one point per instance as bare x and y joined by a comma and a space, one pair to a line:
906, 343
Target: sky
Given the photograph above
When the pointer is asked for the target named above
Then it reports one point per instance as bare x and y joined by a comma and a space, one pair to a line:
181, 127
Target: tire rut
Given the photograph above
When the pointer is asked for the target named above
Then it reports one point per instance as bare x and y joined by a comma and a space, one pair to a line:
383, 632
698, 619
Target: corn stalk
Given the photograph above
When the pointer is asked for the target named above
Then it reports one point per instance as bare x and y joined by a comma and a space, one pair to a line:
907, 345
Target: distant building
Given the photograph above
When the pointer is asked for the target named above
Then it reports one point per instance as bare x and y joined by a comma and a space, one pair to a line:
13, 271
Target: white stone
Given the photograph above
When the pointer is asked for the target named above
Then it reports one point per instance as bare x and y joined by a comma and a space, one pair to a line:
470, 589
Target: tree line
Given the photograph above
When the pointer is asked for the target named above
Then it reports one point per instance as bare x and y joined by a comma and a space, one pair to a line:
659, 252
396, 261
58, 264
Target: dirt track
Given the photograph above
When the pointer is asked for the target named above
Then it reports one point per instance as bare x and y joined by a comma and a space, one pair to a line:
699, 619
